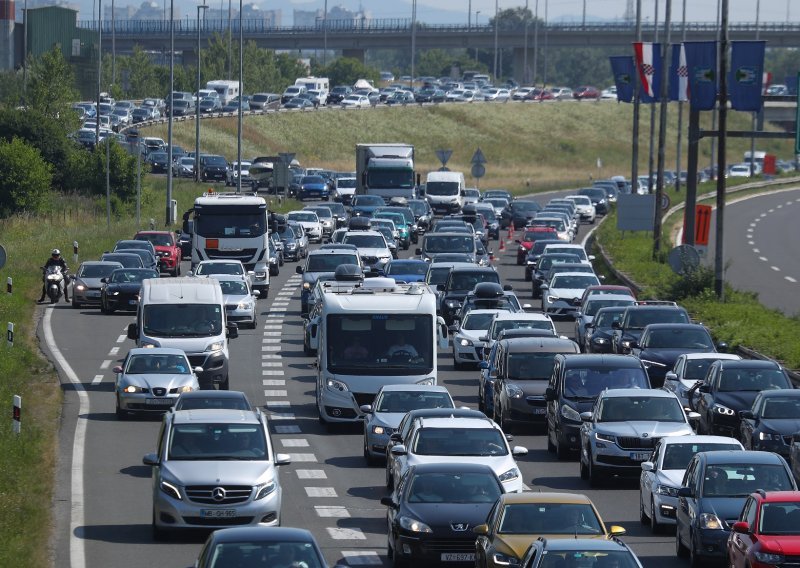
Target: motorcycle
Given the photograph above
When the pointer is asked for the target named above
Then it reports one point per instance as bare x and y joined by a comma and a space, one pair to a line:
54, 280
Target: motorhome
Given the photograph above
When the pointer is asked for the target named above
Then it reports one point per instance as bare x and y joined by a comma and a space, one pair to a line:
227, 90
319, 84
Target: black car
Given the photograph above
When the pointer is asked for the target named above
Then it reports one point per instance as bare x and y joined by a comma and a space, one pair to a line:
714, 490
519, 213
662, 343
729, 387
338, 93
599, 332
260, 546
158, 161
433, 509
422, 213
430, 95
127, 259
365, 205
629, 329
148, 259
213, 168
544, 269
122, 288
599, 198
291, 247
771, 421
532, 260
460, 282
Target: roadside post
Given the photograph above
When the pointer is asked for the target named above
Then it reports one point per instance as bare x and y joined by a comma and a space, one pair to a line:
16, 414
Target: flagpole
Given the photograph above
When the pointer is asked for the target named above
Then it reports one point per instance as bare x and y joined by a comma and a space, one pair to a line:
680, 104
662, 133
755, 114
636, 109
652, 114
714, 110
719, 258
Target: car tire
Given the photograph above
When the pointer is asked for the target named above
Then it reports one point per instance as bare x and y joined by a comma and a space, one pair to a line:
389, 478
225, 385
561, 452
159, 534
695, 560
368, 457
655, 526
680, 550
121, 414
643, 518
594, 475
505, 423
551, 447
528, 276
584, 470
106, 310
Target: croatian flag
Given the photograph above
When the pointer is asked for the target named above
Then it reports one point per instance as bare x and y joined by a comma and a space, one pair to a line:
648, 64
679, 74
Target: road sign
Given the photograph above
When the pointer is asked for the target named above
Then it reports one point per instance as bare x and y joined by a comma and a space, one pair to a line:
478, 171
664, 202
3, 256
444, 156
479, 158
683, 259
287, 157
797, 121
702, 224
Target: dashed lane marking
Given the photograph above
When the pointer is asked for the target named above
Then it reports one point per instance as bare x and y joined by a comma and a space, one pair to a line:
311, 474
775, 268
282, 416
276, 393
105, 364
338, 533
362, 558
307, 458
271, 340
755, 250
273, 382
97, 379
333, 511
286, 429
122, 338
294, 443
278, 316
273, 347
790, 279
763, 258
270, 356
268, 373
278, 404
320, 491
113, 351
271, 364
272, 333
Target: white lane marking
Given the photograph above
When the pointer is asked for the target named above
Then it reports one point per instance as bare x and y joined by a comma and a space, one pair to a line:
276, 305
275, 316
789, 202
289, 292
770, 210
273, 382
311, 474
790, 279
779, 206
755, 250
113, 351
77, 544
320, 491
270, 356
280, 309
295, 443
282, 416
763, 215
271, 364
276, 393
287, 429
310, 458
272, 333
122, 338
775, 268
271, 340
105, 364
97, 379
272, 373
763, 258
752, 224
275, 347
362, 558
278, 404
334, 511
273, 327
338, 533
751, 243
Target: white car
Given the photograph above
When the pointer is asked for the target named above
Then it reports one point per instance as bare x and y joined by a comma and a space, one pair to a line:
688, 370
496, 95
662, 475
233, 173
568, 248
515, 320
355, 101
562, 93
584, 207
207, 268
609, 93
240, 300
456, 440
310, 223
467, 342
371, 245
455, 95
741, 170
560, 296
522, 93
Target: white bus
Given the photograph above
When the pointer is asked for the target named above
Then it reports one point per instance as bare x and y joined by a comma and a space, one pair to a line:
227, 90
232, 226
369, 335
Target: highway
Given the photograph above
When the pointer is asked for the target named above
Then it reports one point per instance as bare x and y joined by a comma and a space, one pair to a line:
103, 514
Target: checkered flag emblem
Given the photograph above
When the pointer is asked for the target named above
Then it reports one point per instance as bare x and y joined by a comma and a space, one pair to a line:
683, 71
648, 69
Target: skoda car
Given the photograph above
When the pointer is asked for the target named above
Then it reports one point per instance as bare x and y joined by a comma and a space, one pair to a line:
87, 282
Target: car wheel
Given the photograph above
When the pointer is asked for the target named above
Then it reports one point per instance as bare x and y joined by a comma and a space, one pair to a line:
106, 309
121, 414
254, 323
159, 534
594, 475
505, 423
528, 276
551, 447
642, 514
680, 550
225, 385
584, 469
389, 478
520, 260
368, 457
655, 526
695, 560
456, 364
561, 452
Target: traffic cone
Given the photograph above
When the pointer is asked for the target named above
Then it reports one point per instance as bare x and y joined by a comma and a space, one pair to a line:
502, 246
511, 231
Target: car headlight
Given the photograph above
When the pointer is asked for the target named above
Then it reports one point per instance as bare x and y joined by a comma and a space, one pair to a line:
769, 557
170, 489
512, 473
667, 490
649, 363
130, 389
452, 303
570, 413
767, 437
430, 381
626, 343
464, 342
215, 346
513, 391
413, 525
605, 438
261, 274
185, 388
552, 299
504, 560
709, 521
80, 287
599, 340
530, 263
722, 409
265, 489
114, 293
380, 430
336, 385
245, 305
150, 343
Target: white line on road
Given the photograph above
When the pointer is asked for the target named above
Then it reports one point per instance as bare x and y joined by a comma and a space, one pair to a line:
338, 533
763, 258
275, 316
311, 474
309, 458
282, 416
276, 393
320, 491
273, 373
335, 511
294, 443
775, 268
271, 340
790, 279
273, 382
272, 333
271, 364
114, 351
275, 305
274, 347
278, 404
77, 550
362, 558
273, 327
105, 364
270, 356
122, 338
763, 214
97, 379
755, 250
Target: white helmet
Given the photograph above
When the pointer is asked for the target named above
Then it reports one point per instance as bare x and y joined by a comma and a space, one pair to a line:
56, 252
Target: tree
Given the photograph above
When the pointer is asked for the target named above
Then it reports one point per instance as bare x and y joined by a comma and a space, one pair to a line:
89, 169
51, 86
25, 178
348, 70
10, 88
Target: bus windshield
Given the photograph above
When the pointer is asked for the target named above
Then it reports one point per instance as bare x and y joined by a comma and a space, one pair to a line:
380, 344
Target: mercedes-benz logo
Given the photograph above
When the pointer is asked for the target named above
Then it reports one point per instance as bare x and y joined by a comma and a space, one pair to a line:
218, 494
459, 527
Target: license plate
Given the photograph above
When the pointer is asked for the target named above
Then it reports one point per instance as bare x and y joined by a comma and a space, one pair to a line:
159, 401
458, 557
640, 456
217, 513
92, 294
133, 302
539, 410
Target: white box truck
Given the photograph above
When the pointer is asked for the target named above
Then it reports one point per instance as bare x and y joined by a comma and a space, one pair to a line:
386, 170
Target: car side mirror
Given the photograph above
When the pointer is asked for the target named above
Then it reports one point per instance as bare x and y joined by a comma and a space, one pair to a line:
508, 287
747, 415
704, 388
483, 338
647, 466
686, 492
366, 408
671, 376
283, 459
388, 502
418, 251
586, 416
481, 529
796, 437
440, 287
616, 530
722, 347
518, 451
616, 325
399, 450
298, 269
395, 437
741, 527
483, 365
104, 280
544, 287
133, 331
256, 293
453, 328
550, 394
591, 257
150, 459
232, 330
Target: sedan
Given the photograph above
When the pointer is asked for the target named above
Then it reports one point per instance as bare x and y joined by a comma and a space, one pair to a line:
127, 259
210, 104
150, 379
240, 300
88, 281
769, 424
688, 370
261, 546
184, 167
561, 294
158, 162
219, 399
355, 101
407, 270
586, 92
467, 345
121, 289
148, 258
314, 186
298, 102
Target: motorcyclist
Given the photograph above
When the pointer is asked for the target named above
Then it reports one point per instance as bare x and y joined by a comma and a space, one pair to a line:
55, 260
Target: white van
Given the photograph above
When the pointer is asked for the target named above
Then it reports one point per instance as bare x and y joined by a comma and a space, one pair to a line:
291, 92
227, 90
319, 84
445, 191
189, 314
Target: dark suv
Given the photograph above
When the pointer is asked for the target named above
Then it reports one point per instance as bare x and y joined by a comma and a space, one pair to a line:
575, 384
637, 317
459, 283
213, 168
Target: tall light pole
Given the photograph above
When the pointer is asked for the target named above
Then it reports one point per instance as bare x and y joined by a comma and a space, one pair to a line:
113, 47
525, 49
755, 114
413, 40
241, 98
325, 35
535, 42
650, 187
99, 71
200, 7
496, 12
469, 14
546, 26
168, 216
230, 41
680, 112
477, 12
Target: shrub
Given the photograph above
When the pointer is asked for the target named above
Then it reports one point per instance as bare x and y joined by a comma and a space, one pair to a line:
25, 178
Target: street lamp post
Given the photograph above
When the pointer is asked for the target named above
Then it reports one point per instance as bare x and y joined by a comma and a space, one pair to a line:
477, 12
99, 71
113, 47
413, 40
525, 49
241, 99
496, 12
168, 216
325, 35
200, 7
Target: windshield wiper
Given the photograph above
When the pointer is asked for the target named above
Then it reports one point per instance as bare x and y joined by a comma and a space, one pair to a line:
581, 398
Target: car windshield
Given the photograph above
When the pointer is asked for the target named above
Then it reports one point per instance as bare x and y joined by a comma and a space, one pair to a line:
780, 518
586, 557
233, 287
502, 325
549, 518
415, 268
264, 553
573, 281
213, 161
460, 442
548, 260
128, 260
211, 401
739, 480
448, 487
219, 268
468, 280
736, 380
678, 455
312, 179
781, 408
497, 202
182, 320
131, 246
216, 442
477, 321
577, 251
303, 217
647, 408
158, 239
365, 241
640, 318
406, 401
322, 212
695, 369
679, 339
526, 206
437, 275
368, 200
157, 364
592, 306
123, 276
418, 207
328, 262
530, 366
589, 382
605, 319
96, 270
442, 188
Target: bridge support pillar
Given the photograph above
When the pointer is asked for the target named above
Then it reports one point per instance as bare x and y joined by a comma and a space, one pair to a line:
189, 57
523, 76
354, 54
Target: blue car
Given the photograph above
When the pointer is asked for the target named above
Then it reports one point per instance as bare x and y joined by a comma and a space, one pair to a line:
314, 186
486, 381
411, 270
365, 205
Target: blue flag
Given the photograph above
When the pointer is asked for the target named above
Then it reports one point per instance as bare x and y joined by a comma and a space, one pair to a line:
622, 69
747, 75
701, 64
678, 74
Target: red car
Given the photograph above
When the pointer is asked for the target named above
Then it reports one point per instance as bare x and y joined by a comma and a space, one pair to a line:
537, 94
167, 248
531, 235
767, 533
586, 92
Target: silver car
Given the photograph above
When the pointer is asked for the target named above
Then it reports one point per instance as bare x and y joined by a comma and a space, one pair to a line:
150, 380
383, 416
87, 283
214, 468
623, 428
239, 298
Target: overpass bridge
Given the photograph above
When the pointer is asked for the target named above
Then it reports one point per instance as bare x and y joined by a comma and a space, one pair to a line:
355, 37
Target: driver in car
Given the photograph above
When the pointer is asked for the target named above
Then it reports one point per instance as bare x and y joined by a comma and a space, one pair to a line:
401, 346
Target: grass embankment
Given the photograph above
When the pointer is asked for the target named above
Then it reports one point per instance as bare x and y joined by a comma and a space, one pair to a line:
28, 459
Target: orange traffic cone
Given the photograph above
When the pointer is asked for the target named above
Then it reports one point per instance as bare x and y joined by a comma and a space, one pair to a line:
511, 231
502, 246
